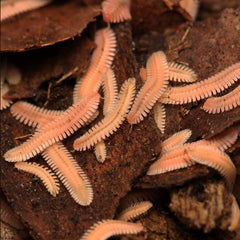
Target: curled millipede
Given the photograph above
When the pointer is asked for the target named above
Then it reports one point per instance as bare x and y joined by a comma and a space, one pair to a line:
47, 177
223, 140
176, 140
110, 91
213, 157
155, 85
224, 103
116, 11
181, 73
107, 228
176, 159
159, 112
69, 172
134, 211
101, 60
175, 152
56, 155
31, 115
203, 89
110, 100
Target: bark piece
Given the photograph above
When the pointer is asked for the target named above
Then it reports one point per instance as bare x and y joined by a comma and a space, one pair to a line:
56, 22
153, 15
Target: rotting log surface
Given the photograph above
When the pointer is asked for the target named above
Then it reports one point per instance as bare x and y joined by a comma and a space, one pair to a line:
129, 151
